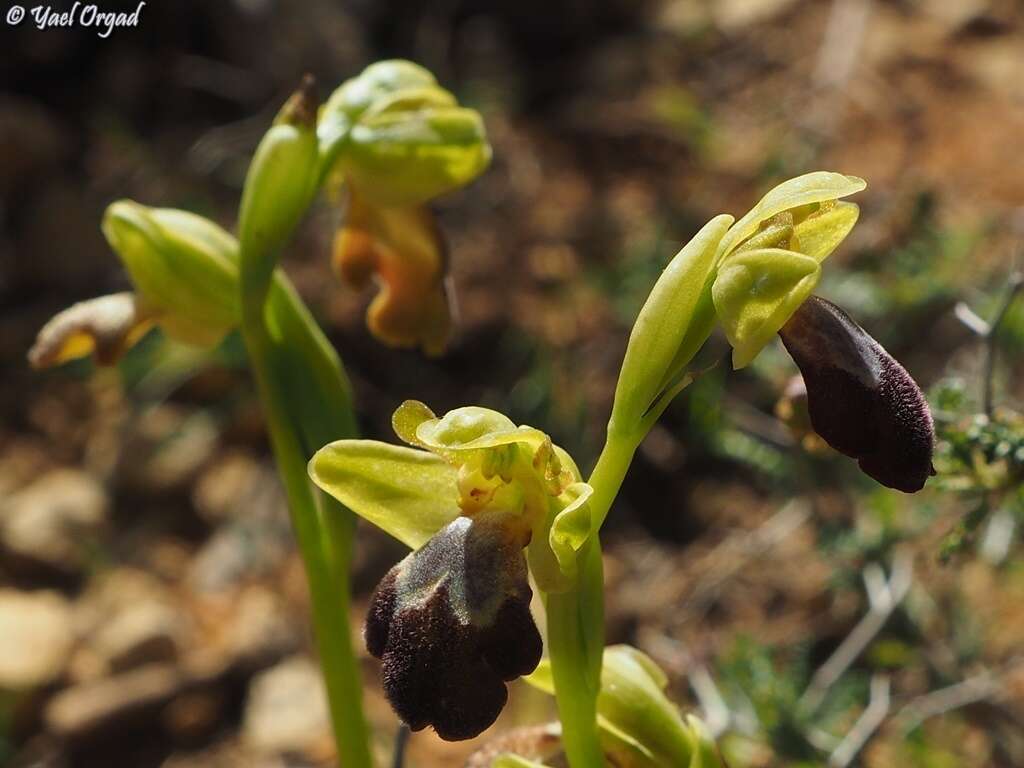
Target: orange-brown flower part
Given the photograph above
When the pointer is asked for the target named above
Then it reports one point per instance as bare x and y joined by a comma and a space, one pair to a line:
404, 249
105, 327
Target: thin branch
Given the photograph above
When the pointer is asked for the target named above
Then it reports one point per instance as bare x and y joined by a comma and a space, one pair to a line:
883, 598
401, 742
869, 722
944, 700
1014, 284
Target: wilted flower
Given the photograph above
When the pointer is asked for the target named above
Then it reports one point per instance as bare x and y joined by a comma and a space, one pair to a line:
396, 140
451, 622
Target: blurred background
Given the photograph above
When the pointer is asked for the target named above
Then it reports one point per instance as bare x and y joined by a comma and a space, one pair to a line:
153, 608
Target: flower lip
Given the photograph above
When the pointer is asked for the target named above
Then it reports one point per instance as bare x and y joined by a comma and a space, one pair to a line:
860, 399
451, 624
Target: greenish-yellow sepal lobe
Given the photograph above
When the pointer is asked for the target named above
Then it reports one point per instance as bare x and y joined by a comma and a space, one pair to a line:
797, 195
408, 493
399, 158
663, 323
756, 292
821, 233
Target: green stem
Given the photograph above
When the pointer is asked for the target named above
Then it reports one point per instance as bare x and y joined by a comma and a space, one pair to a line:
576, 618
324, 534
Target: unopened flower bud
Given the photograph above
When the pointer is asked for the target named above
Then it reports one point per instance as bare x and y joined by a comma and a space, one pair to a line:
860, 399
451, 624
184, 268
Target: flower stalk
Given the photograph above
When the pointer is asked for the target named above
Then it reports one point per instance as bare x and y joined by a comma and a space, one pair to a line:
301, 409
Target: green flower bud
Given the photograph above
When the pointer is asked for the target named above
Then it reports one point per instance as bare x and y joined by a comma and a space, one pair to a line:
638, 725
662, 327
281, 181
184, 268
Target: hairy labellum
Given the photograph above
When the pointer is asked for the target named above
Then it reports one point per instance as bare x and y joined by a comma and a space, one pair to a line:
451, 624
860, 399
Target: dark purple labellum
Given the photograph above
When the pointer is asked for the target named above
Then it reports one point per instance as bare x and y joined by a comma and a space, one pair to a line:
861, 401
451, 624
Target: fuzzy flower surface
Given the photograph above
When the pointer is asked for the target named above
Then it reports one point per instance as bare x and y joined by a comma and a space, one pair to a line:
481, 501
861, 401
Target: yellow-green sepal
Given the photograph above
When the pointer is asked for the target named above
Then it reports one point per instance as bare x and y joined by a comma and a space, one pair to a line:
400, 138
799, 195
408, 493
399, 158
756, 292
184, 268
823, 230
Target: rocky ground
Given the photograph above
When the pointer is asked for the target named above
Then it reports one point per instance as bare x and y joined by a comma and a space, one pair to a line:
153, 609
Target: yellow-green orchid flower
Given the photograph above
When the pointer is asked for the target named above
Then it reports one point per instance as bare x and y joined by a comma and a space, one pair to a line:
396, 140
451, 622
756, 277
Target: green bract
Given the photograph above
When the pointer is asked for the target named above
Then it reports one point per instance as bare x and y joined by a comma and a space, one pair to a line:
639, 726
399, 138
467, 462
652, 356
768, 262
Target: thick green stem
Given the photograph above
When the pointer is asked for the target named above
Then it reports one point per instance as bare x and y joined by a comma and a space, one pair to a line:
576, 618
324, 535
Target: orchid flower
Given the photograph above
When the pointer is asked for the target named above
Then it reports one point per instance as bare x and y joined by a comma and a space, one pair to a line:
451, 622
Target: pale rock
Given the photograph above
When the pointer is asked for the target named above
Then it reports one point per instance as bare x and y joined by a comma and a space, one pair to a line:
139, 634
36, 638
287, 709
50, 522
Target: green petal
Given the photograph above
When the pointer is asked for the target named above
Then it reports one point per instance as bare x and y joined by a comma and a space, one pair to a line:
571, 527
398, 158
756, 292
408, 493
805, 190
822, 232
472, 428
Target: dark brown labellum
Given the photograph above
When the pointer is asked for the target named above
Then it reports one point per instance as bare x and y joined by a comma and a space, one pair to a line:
451, 624
860, 399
